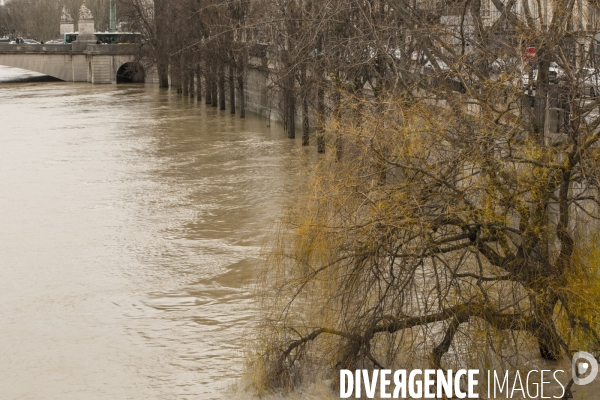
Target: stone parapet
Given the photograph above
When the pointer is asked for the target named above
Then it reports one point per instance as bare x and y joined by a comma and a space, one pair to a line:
35, 48
99, 49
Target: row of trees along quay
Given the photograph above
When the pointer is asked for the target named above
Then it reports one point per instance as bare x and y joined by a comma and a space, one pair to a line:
454, 221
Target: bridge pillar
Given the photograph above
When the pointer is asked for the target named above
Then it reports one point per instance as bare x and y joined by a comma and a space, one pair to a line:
102, 69
80, 68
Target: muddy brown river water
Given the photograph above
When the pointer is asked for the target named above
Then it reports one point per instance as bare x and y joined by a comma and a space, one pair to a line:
130, 223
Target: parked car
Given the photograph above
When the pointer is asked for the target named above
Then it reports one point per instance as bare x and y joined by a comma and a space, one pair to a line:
525, 78
55, 41
418, 57
30, 41
446, 75
429, 69
555, 73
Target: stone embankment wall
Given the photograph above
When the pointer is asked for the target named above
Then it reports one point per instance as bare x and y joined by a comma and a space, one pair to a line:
262, 96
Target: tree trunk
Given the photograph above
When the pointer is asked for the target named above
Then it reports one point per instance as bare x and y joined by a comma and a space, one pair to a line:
192, 90
321, 118
547, 337
214, 89
305, 123
185, 84
198, 83
285, 112
231, 89
208, 88
162, 58
222, 88
337, 104
320, 98
176, 76
242, 96
163, 72
291, 110
541, 96
305, 119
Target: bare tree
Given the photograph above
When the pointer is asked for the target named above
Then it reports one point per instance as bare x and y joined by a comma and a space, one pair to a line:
459, 223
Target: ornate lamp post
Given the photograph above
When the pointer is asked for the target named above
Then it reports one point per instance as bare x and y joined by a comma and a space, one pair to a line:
112, 24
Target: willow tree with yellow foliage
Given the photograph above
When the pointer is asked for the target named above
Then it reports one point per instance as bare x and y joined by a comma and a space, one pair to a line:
456, 224
429, 227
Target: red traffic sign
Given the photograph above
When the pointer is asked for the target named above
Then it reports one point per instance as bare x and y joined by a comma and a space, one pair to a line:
530, 53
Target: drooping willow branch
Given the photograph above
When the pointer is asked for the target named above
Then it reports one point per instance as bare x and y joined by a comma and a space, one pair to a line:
457, 315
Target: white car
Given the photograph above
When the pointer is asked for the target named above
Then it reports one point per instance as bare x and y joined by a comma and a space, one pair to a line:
525, 78
429, 68
554, 74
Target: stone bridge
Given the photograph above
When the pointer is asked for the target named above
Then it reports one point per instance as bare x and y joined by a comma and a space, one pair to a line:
94, 63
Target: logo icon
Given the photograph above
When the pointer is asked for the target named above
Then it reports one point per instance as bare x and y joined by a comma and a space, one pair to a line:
582, 361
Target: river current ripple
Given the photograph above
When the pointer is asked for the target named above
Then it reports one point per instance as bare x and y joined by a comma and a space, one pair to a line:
130, 224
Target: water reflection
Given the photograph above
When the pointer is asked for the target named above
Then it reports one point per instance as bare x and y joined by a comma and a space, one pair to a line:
130, 223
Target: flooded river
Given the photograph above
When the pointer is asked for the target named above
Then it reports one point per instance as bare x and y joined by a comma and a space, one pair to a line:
130, 223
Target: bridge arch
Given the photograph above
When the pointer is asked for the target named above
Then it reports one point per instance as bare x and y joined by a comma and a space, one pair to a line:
131, 72
60, 66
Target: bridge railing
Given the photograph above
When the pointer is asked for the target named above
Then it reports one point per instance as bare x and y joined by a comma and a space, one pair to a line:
6, 48
100, 49
90, 49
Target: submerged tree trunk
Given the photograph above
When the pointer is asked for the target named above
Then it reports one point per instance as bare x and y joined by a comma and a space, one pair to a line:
242, 96
336, 114
291, 110
320, 97
207, 88
198, 83
231, 89
321, 118
215, 92
222, 88
305, 117
192, 90
176, 76
305, 123
163, 73
185, 84
162, 57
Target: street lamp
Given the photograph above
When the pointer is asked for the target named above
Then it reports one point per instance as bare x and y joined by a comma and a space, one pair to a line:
112, 24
